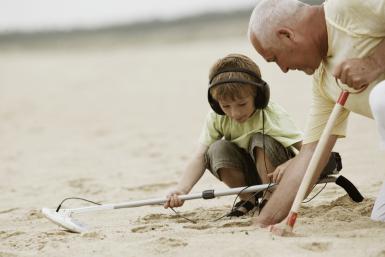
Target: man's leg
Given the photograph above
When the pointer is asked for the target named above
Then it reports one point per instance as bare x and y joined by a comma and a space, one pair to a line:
377, 104
378, 212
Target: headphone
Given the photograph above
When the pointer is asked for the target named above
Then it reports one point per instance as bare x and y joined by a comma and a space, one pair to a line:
262, 95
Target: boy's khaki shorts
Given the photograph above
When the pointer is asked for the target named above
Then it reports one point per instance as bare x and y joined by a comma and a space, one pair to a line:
225, 154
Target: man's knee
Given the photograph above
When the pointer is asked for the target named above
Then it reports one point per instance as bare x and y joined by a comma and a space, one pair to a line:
377, 215
378, 212
376, 98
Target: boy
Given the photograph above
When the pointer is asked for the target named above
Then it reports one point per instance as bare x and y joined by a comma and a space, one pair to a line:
246, 140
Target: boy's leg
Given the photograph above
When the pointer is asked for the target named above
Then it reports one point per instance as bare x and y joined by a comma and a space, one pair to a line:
377, 104
230, 164
267, 153
263, 165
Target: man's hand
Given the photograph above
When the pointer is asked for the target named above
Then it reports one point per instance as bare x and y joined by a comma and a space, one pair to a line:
357, 73
277, 174
173, 199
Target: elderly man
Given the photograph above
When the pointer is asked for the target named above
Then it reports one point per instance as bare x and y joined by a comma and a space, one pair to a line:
342, 39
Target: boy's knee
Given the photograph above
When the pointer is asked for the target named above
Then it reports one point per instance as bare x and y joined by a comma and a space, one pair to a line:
223, 154
259, 143
264, 144
220, 148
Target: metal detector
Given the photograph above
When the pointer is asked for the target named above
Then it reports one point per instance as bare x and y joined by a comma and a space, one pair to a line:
63, 217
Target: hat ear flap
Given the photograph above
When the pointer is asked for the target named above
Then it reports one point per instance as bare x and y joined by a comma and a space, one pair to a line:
214, 104
263, 96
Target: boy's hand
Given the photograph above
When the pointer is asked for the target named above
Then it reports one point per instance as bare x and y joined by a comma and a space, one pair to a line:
173, 199
277, 174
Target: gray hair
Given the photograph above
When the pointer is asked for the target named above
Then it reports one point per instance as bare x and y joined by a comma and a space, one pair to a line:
270, 14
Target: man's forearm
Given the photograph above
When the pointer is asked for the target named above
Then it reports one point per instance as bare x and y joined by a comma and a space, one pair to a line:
378, 55
279, 205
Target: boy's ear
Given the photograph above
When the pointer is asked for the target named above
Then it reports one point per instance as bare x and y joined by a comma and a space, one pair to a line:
286, 34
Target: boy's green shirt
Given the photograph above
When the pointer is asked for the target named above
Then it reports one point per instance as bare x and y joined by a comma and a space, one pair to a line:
278, 125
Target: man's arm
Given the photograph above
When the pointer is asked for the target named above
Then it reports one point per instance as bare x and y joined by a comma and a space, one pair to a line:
360, 72
279, 205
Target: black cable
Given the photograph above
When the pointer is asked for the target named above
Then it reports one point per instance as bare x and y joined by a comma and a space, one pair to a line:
75, 198
181, 216
232, 208
306, 201
264, 159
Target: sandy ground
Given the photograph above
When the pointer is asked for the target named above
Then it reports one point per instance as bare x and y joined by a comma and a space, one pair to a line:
118, 124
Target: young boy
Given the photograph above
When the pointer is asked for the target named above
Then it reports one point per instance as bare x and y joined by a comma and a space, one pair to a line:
247, 139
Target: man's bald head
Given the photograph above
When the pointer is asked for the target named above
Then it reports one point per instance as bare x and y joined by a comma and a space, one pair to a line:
268, 15
289, 33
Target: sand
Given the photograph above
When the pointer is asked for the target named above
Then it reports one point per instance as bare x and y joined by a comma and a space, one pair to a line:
118, 124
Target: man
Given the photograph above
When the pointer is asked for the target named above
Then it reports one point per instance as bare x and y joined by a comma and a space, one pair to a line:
342, 39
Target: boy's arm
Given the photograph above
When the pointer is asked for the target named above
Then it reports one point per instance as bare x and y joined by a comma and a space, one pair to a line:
192, 173
194, 170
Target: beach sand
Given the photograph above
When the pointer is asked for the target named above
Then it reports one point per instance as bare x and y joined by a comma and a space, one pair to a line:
118, 124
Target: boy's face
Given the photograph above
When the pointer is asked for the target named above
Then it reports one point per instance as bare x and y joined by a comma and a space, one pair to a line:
239, 109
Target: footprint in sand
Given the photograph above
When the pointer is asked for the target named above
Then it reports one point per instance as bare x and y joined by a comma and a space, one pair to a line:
245, 223
172, 242
8, 210
8, 234
153, 217
143, 229
151, 187
242, 252
166, 244
78, 183
198, 226
93, 235
377, 254
4, 254
377, 184
85, 186
34, 214
56, 233
316, 246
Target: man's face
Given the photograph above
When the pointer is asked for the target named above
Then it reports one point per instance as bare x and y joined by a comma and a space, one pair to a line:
239, 109
289, 55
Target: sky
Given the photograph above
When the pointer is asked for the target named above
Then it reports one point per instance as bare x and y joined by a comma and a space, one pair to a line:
27, 15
